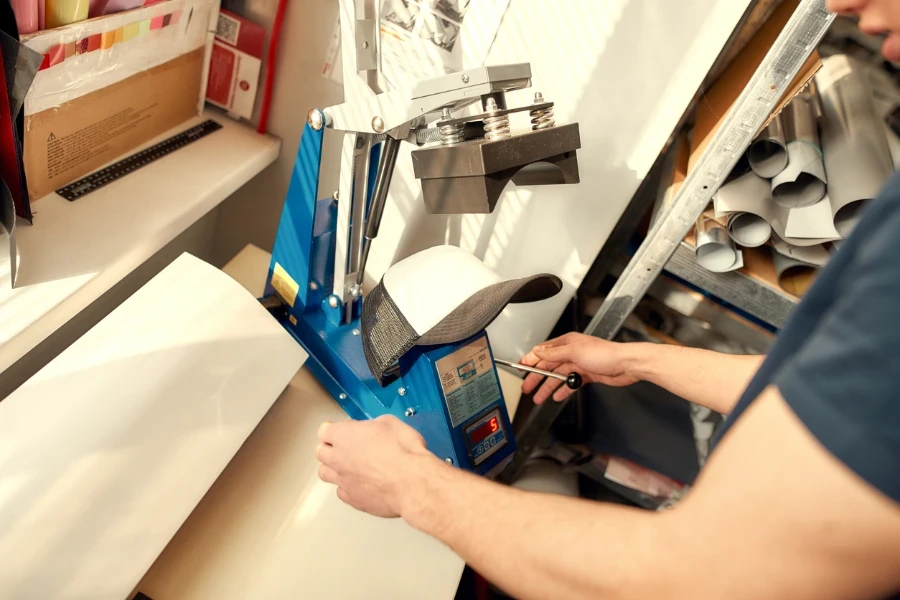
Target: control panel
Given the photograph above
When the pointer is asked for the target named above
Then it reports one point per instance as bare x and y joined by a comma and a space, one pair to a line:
485, 436
457, 404
475, 407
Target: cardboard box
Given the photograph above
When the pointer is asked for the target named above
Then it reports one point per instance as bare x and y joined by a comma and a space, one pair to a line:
111, 84
716, 102
65, 143
235, 64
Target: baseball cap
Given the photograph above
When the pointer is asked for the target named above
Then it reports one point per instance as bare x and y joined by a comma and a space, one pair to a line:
440, 295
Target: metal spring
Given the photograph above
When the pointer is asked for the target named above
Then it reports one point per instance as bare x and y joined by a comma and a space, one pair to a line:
496, 127
452, 133
542, 118
431, 134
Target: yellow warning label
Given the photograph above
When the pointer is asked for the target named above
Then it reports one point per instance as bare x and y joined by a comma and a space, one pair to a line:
284, 285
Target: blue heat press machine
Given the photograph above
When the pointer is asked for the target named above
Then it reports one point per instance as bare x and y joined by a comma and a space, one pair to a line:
315, 278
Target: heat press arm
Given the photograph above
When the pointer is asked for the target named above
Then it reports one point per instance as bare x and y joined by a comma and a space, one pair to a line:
371, 113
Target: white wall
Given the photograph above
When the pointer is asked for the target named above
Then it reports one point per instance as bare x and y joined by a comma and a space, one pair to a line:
251, 214
624, 69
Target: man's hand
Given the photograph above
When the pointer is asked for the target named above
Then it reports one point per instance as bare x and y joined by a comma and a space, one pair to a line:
597, 360
373, 463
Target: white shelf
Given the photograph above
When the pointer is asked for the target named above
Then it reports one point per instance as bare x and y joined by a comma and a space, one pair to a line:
76, 251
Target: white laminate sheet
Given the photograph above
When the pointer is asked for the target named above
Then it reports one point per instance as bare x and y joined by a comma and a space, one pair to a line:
106, 451
270, 529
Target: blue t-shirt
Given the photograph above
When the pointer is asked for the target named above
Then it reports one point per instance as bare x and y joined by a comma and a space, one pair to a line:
837, 360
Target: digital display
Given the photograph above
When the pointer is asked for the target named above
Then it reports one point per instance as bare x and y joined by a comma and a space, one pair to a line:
484, 430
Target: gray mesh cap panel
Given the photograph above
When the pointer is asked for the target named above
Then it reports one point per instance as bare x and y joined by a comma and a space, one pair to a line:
386, 334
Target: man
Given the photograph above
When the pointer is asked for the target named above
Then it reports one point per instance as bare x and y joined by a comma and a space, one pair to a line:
801, 498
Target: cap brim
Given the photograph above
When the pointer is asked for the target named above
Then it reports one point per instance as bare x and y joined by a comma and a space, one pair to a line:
480, 309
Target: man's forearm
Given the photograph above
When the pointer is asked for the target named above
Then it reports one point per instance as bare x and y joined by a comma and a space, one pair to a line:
711, 379
535, 545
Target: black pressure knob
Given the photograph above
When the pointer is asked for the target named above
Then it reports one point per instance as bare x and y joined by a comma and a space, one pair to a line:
574, 381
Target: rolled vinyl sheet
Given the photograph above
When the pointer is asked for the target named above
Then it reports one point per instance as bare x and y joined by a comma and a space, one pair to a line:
750, 193
768, 154
748, 230
894, 145
63, 12
811, 222
802, 182
793, 276
886, 101
715, 251
817, 255
110, 447
857, 157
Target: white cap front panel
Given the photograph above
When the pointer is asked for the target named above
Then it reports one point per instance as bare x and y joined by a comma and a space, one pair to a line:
430, 284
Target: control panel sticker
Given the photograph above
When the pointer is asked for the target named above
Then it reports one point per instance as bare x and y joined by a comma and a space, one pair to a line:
284, 285
468, 381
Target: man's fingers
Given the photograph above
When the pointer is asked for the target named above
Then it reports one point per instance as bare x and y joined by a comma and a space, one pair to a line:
327, 474
343, 495
530, 383
551, 386
554, 353
546, 390
324, 434
562, 393
324, 452
532, 380
530, 359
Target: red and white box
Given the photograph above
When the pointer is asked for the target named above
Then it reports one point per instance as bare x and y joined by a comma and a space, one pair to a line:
235, 64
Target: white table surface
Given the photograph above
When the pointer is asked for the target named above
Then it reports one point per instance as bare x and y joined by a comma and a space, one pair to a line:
76, 251
109, 448
269, 528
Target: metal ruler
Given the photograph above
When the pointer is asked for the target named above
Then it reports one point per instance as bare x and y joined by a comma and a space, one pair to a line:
94, 181
798, 39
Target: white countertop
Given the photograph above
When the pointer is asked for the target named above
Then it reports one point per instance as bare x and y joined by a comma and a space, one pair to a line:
76, 251
269, 528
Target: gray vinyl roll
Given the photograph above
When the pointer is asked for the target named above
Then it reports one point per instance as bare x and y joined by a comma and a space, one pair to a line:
748, 230
768, 152
715, 251
802, 182
816, 256
793, 276
857, 156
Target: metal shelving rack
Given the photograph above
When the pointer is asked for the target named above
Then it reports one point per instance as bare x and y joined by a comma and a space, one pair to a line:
768, 303
800, 36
